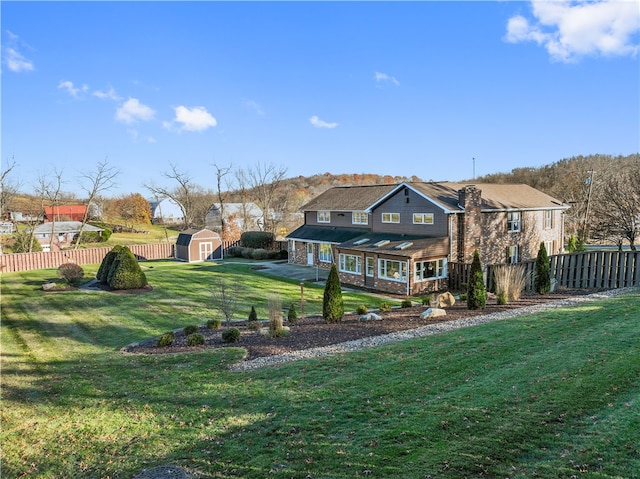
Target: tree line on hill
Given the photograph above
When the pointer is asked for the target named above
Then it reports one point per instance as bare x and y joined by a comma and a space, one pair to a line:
602, 190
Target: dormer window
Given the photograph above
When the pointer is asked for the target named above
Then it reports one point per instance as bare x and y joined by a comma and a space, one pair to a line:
324, 216
359, 218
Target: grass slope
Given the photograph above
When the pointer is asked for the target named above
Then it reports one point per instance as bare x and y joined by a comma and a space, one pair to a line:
552, 395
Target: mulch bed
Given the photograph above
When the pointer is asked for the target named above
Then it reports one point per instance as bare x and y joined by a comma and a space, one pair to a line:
313, 331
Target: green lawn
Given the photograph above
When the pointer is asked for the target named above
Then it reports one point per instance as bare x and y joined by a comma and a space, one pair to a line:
551, 395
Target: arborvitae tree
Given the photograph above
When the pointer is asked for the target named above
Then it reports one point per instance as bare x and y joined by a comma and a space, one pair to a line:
332, 304
292, 315
125, 272
476, 292
253, 316
543, 271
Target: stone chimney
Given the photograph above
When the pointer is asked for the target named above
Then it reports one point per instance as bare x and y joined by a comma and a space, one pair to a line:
470, 223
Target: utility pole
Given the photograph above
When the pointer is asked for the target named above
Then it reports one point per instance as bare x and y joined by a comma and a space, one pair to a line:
474, 167
586, 213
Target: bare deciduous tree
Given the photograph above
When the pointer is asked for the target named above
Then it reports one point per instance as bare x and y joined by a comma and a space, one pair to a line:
49, 191
94, 183
616, 206
225, 297
182, 194
221, 172
7, 189
264, 181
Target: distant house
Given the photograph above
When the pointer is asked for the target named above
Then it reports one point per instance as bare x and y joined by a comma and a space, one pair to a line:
166, 211
64, 213
60, 234
399, 238
245, 216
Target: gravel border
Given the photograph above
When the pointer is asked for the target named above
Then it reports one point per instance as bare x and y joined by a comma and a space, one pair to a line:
420, 332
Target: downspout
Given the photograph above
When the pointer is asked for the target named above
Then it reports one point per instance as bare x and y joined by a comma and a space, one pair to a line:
408, 278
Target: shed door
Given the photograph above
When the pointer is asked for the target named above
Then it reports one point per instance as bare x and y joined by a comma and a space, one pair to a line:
206, 248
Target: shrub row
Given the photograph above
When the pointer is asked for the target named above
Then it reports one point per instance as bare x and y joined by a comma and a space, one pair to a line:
255, 253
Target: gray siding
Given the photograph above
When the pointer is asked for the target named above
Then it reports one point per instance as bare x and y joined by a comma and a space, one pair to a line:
407, 205
340, 219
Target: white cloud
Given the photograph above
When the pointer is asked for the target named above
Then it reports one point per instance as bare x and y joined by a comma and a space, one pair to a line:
16, 62
570, 30
107, 95
132, 111
196, 118
318, 123
384, 78
72, 89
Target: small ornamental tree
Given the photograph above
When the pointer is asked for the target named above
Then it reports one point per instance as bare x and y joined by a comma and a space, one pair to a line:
253, 315
332, 304
103, 271
120, 270
476, 292
543, 271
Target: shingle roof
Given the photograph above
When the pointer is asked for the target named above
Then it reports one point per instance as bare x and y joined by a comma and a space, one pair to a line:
348, 198
325, 234
494, 196
64, 227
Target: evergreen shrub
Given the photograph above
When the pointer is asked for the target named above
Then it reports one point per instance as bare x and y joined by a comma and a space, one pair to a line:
166, 339
70, 272
332, 303
214, 323
231, 335
257, 239
190, 329
476, 291
543, 271
195, 339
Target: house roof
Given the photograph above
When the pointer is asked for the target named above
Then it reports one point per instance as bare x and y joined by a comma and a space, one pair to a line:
64, 227
237, 209
444, 194
348, 198
325, 234
398, 244
65, 210
494, 196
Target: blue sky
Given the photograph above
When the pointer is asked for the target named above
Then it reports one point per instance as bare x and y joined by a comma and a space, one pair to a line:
397, 88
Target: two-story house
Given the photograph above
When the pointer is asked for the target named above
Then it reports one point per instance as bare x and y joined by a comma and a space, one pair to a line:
400, 238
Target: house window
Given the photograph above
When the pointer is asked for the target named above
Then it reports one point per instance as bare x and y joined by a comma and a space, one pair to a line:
548, 245
349, 263
370, 266
426, 270
512, 254
548, 220
324, 253
392, 270
514, 222
391, 217
324, 216
359, 218
423, 218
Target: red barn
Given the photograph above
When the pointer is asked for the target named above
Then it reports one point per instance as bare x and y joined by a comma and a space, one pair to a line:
64, 213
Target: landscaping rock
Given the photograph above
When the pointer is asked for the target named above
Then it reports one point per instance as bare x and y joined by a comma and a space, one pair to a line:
370, 317
433, 313
446, 300
49, 286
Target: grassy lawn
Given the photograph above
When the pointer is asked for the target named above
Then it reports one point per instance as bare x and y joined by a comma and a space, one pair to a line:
551, 395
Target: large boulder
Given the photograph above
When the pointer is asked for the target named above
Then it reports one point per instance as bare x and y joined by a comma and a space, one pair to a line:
433, 313
445, 300
370, 317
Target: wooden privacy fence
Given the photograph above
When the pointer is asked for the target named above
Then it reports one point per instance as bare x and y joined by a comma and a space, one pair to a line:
590, 269
28, 261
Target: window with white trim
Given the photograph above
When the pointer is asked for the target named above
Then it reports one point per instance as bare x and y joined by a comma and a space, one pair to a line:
359, 218
392, 270
349, 263
548, 245
370, 266
428, 270
391, 217
548, 219
423, 218
324, 253
514, 221
324, 216
512, 254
